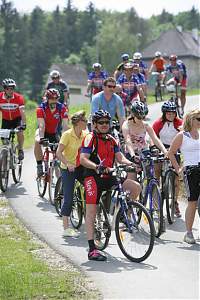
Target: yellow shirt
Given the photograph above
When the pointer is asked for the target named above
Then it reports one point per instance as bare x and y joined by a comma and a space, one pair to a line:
72, 143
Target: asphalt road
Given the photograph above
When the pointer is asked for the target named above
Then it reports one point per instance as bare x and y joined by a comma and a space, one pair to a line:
171, 271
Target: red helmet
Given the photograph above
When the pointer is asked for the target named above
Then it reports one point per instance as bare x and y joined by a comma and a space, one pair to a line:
52, 93
173, 57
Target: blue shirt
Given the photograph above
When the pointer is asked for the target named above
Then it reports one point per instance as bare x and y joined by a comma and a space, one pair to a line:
113, 106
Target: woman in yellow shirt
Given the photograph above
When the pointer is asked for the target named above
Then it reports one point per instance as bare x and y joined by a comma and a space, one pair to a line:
67, 151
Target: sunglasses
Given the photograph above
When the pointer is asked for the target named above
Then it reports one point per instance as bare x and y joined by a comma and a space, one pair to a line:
103, 122
198, 119
55, 77
111, 86
9, 88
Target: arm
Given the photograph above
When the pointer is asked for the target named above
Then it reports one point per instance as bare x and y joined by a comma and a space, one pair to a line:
23, 116
66, 98
176, 144
41, 127
120, 111
62, 158
127, 139
141, 93
119, 156
65, 124
155, 139
86, 162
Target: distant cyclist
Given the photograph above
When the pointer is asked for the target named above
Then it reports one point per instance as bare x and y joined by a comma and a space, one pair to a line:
178, 69
137, 58
96, 79
12, 107
60, 85
120, 67
49, 114
158, 65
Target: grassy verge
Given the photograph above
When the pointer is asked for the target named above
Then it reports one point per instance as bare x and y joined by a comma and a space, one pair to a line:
24, 276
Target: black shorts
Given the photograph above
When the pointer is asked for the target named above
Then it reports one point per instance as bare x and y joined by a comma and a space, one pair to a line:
52, 137
192, 184
11, 124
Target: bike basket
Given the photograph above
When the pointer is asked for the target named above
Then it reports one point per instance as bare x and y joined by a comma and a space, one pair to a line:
5, 133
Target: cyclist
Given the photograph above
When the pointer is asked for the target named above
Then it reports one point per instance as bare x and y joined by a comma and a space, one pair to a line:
97, 167
120, 68
141, 79
188, 141
137, 58
13, 114
95, 79
130, 83
166, 129
67, 151
158, 65
108, 100
49, 114
60, 85
134, 130
178, 69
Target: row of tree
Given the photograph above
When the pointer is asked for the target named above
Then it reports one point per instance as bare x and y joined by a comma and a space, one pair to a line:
30, 43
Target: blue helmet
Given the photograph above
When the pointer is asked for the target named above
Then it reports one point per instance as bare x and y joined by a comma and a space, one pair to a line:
168, 106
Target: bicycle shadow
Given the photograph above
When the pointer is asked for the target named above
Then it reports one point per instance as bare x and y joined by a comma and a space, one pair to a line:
15, 191
44, 205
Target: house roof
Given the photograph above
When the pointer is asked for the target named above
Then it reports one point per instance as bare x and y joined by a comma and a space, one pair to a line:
71, 74
181, 43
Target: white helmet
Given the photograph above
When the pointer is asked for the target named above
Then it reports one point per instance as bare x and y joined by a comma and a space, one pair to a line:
96, 65
157, 54
137, 55
54, 74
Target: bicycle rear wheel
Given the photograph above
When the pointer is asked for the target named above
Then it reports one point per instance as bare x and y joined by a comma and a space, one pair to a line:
135, 237
102, 228
76, 216
4, 170
58, 196
158, 93
156, 209
16, 167
54, 173
169, 194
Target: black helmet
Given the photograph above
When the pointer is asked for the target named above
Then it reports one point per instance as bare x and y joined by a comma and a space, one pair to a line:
168, 106
52, 93
140, 109
8, 82
124, 56
100, 114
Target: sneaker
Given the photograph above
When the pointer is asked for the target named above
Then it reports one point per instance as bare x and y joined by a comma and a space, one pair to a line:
21, 154
189, 238
96, 255
177, 210
70, 232
40, 170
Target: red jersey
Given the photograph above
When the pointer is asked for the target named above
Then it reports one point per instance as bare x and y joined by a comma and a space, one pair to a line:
52, 119
158, 125
10, 108
159, 64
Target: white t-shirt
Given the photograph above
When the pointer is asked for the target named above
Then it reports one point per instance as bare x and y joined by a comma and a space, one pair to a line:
190, 149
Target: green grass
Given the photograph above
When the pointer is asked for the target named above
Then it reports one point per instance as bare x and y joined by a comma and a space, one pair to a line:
23, 276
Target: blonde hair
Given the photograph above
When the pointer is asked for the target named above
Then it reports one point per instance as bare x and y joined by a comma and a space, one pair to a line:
77, 116
188, 119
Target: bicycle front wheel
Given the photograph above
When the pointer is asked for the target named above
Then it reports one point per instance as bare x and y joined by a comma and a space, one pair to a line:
4, 170
41, 185
169, 192
16, 167
76, 216
102, 228
54, 173
134, 232
58, 196
156, 209
158, 93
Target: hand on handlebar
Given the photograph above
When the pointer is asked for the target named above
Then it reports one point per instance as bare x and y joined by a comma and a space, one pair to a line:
135, 159
102, 170
22, 127
43, 141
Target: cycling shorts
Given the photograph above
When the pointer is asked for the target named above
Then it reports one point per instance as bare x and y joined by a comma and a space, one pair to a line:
11, 124
192, 184
52, 137
183, 83
95, 185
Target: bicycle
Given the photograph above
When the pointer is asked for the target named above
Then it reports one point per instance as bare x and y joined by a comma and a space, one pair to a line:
174, 89
159, 86
151, 196
9, 158
51, 170
102, 228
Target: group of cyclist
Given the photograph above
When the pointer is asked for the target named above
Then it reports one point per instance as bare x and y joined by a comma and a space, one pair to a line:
89, 153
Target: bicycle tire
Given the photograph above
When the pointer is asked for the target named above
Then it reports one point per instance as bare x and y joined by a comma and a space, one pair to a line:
169, 195
76, 216
16, 166
158, 93
58, 196
102, 228
156, 209
53, 175
41, 185
4, 170
136, 244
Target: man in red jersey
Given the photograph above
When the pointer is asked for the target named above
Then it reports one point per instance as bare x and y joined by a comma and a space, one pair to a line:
49, 114
13, 114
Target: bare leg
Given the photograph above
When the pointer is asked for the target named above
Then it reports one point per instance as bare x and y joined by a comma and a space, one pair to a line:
190, 214
89, 220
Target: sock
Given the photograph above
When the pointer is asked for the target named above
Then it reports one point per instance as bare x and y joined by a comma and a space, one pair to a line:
39, 162
91, 245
